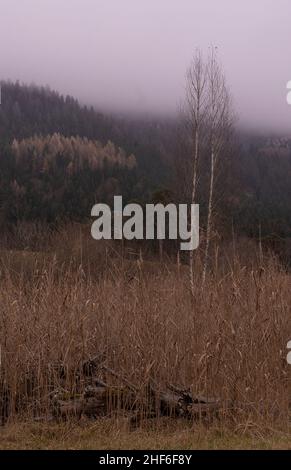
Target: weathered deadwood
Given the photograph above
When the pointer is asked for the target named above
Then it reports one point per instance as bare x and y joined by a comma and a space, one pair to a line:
113, 397
118, 376
172, 404
92, 366
194, 412
94, 407
177, 390
203, 410
180, 403
65, 409
99, 399
95, 391
96, 401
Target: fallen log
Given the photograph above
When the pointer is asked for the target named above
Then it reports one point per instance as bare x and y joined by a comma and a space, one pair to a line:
100, 399
94, 402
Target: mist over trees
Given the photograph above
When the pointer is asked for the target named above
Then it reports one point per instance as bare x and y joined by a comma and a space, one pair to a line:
28, 110
57, 158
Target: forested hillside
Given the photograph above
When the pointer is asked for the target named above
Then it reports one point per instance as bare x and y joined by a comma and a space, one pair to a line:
57, 158
61, 177
28, 110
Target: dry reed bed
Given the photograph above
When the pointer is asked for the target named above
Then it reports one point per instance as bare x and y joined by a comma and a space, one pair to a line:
228, 342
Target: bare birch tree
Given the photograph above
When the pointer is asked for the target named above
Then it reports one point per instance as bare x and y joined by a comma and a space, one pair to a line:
196, 107
219, 125
208, 119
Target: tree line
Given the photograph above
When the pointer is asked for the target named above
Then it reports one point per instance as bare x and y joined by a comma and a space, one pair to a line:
57, 158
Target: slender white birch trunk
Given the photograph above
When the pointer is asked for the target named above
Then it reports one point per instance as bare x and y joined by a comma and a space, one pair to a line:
209, 217
193, 199
196, 86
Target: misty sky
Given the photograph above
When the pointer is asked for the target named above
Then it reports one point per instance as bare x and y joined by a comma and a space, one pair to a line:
129, 55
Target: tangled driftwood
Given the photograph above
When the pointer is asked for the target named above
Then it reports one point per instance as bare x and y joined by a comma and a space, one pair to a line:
82, 392
101, 399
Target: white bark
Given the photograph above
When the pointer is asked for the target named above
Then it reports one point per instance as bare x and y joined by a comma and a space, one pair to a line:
196, 104
219, 125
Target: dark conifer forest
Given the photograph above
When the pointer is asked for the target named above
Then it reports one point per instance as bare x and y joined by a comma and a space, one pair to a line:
58, 157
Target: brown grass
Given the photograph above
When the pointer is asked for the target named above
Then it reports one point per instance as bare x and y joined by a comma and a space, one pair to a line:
104, 434
75, 299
